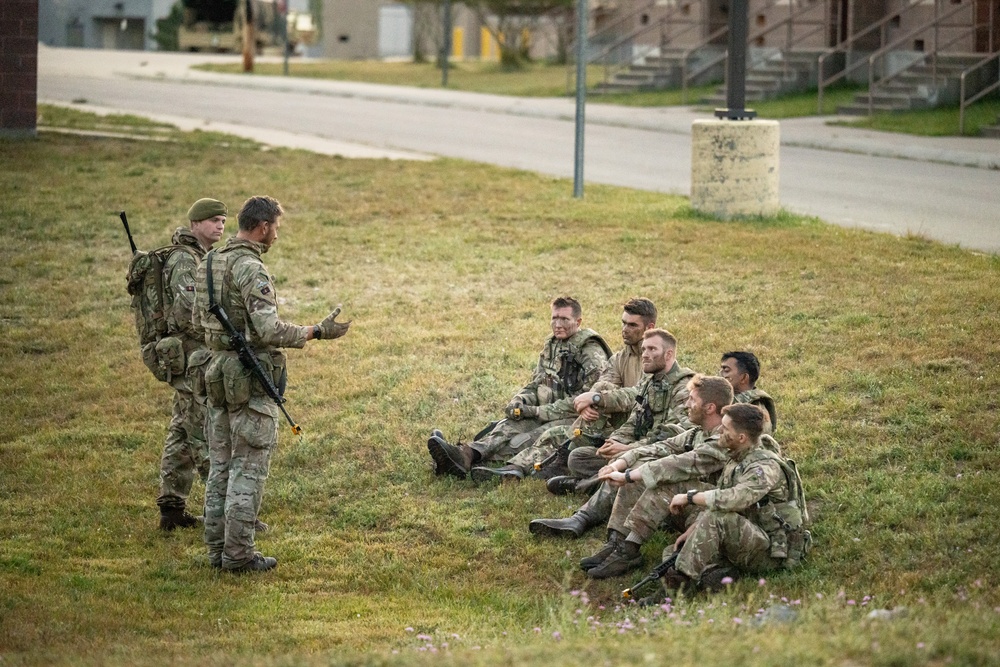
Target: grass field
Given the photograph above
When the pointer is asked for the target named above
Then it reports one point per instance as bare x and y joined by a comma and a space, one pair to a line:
880, 352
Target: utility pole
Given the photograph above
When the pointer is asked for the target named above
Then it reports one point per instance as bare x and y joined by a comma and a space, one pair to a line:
736, 66
445, 41
284, 13
249, 36
581, 95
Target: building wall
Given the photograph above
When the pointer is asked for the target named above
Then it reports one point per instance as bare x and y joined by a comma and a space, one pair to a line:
18, 68
100, 24
350, 29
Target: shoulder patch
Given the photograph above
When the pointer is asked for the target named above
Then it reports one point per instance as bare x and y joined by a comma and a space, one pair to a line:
264, 287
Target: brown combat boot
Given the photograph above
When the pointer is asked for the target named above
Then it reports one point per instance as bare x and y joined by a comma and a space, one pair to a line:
449, 459
174, 517
590, 562
623, 559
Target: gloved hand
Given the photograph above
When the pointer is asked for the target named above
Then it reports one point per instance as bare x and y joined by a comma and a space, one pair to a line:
331, 328
514, 410
529, 411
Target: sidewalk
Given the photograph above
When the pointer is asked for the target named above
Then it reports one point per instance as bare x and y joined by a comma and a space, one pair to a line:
811, 132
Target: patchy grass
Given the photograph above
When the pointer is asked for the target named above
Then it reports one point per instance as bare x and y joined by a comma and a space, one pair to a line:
879, 351
941, 122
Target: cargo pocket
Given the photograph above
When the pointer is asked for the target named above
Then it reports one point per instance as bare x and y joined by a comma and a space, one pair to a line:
152, 361
215, 382
197, 367
257, 424
170, 350
236, 383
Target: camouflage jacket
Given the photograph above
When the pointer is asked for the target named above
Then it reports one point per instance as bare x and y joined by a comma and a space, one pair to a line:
179, 273
761, 399
245, 290
566, 368
750, 479
659, 403
618, 385
691, 456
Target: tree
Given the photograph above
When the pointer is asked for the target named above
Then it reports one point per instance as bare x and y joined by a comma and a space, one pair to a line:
166, 29
511, 22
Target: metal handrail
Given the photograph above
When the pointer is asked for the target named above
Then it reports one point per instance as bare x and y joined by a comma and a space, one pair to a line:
789, 25
962, 102
899, 40
844, 45
689, 76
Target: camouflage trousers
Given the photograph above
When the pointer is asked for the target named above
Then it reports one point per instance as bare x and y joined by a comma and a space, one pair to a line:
722, 539
509, 438
185, 451
553, 438
241, 441
639, 511
585, 462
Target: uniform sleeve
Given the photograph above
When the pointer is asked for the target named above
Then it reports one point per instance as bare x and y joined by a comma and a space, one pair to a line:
181, 273
752, 484
676, 412
257, 291
616, 401
654, 450
612, 373
704, 460
594, 360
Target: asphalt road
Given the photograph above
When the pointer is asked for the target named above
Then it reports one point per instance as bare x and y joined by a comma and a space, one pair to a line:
823, 172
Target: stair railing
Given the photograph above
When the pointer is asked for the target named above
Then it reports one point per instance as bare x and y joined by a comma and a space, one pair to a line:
934, 23
994, 50
846, 47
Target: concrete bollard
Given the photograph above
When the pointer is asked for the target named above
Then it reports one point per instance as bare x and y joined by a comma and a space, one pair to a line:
734, 167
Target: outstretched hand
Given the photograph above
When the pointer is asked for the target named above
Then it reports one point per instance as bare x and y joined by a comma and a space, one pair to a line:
331, 328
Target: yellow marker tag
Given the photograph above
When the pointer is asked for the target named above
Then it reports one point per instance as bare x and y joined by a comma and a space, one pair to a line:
517, 412
296, 429
577, 433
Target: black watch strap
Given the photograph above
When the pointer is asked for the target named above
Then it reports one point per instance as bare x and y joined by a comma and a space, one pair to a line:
317, 332
691, 495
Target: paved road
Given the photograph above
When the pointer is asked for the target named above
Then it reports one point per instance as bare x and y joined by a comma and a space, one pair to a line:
942, 188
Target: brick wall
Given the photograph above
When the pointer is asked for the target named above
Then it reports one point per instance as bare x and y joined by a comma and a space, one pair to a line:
18, 67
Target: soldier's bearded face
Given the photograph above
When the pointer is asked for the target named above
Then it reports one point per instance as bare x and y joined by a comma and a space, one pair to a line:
729, 437
270, 234
695, 408
633, 327
564, 325
655, 355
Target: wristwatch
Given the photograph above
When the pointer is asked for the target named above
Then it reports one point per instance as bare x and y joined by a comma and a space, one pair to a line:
690, 494
596, 399
317, 332
628, 475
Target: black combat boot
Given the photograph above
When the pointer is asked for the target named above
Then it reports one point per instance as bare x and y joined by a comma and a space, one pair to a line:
556, 465
507, 473
590, 562
449, 459
561, 485
574, 526
677, 582
259, 563
623, 559
176, 517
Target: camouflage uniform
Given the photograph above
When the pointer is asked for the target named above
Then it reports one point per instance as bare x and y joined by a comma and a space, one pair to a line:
658, 413
185, 451
242, 419
761, 399
741, 526
565, 369
618, 386
664, 394
691, 460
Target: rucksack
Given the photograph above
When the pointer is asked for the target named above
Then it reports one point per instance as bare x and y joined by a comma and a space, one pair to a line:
162, 353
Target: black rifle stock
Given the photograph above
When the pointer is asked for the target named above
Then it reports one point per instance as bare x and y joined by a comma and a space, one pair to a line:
657, 573
128, 231
252, 363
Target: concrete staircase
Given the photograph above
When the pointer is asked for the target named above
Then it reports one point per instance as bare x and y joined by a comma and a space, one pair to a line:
992, 131
772, 74
916, 88
660, 72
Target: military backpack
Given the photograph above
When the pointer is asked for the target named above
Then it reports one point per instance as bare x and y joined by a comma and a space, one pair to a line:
162, 351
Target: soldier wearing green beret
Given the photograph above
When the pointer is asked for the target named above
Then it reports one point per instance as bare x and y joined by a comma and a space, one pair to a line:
185, 451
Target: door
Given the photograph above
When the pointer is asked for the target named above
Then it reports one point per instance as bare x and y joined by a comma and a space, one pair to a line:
987, 26
395, 31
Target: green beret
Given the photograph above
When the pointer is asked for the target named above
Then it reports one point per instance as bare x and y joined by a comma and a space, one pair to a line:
206, 208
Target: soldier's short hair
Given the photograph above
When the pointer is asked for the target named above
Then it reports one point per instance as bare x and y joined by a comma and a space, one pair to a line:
642, 307
568, 302
747, 418
712, 389
746, 362
668, 338
257, 210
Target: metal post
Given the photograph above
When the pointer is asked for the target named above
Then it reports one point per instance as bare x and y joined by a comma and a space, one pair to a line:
581, 94
736, 67
445, 42
284, 66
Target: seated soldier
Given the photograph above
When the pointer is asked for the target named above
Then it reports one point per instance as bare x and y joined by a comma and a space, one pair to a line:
571, 361
601, 410
756, 518
742, 370
648, 477
658, 413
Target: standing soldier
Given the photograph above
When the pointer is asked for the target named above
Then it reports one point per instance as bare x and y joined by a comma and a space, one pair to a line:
162, 285
242, 418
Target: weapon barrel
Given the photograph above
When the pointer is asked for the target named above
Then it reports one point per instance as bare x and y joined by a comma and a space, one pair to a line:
128, 232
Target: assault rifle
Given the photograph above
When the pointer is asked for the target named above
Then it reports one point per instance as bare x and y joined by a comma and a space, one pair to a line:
128, 231
252, 363
245, 353
657, 573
